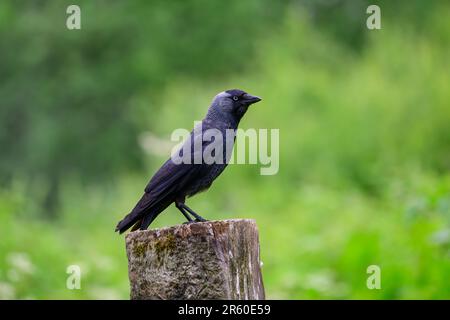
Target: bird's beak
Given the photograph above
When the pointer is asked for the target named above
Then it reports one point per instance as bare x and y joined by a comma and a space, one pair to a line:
249, 99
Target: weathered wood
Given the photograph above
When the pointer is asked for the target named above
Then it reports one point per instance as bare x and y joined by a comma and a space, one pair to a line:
205, 260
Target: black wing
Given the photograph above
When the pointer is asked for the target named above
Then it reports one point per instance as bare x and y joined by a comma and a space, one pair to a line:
168, 182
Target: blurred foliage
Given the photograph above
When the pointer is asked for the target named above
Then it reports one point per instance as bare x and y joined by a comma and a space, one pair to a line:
364, 138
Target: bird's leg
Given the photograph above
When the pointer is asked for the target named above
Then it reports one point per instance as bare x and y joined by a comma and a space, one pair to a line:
182, 210
197, 217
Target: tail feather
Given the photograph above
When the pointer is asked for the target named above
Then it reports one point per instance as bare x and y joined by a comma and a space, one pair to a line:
144, 205
127, 222
136, 226
147, 220
141, 219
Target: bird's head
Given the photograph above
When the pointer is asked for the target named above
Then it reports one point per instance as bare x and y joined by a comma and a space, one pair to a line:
232, 103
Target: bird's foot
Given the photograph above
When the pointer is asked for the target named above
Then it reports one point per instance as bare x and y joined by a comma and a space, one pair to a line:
197, 217
195, 221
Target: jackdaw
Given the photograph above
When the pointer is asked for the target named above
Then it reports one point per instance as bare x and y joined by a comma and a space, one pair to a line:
175, 181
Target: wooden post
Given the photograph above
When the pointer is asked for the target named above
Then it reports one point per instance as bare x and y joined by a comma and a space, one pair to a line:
205, 260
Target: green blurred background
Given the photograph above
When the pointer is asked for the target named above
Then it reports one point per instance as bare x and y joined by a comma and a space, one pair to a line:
86, 116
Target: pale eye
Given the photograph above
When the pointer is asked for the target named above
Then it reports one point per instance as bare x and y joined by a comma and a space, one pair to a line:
235, 98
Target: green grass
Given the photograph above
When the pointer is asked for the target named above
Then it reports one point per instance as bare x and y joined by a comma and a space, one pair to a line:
316, 241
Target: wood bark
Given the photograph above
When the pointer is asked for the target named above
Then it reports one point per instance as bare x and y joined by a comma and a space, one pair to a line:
204, 260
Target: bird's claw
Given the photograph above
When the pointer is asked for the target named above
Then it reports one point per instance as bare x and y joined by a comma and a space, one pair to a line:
195, 221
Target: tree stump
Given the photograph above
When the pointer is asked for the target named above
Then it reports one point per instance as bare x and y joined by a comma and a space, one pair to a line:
204, 260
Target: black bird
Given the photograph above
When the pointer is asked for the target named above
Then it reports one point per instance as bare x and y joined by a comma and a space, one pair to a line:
175, 181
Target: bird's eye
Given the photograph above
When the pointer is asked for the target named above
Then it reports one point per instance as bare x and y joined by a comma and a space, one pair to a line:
235, 98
